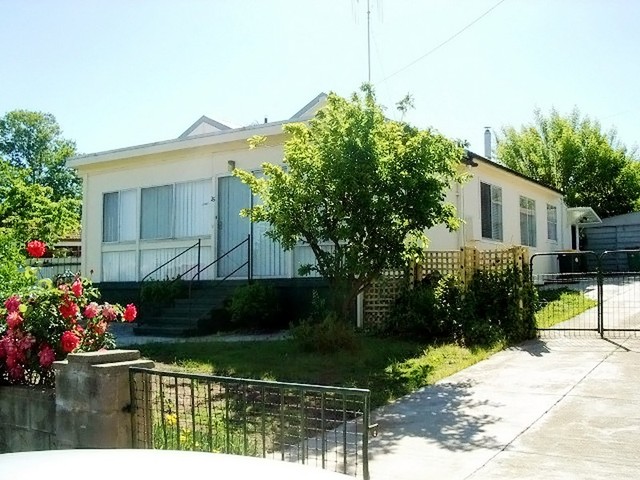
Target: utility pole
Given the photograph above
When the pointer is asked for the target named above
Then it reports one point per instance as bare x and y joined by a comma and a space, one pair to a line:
369, 40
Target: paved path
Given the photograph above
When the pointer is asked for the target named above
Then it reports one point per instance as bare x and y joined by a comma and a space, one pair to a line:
551, 409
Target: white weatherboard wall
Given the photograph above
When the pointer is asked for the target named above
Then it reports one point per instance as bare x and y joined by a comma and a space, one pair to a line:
467, 200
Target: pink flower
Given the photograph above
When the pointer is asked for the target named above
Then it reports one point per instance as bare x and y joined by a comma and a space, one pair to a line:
3, 352
36, 248
16, 372
91, 310
109, 313
69, 341
130, 313
46, 355
69, 310
14, 320
100, 328
77, 288
26, 342
12, 303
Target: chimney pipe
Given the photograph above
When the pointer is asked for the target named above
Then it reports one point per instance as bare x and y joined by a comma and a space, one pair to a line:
487, 142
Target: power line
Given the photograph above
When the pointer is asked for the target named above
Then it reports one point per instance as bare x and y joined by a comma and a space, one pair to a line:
444, 43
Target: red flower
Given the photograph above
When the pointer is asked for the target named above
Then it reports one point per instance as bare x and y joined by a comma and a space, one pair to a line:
69, 310
16, 372
130, 313
91, 310
12, 303
69, 341
46, 355
76, 288
14, 319
36, 248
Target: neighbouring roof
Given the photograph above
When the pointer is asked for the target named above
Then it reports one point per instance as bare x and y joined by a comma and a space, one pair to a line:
310, 109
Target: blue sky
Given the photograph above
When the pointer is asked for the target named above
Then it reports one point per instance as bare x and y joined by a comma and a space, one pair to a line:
121, 73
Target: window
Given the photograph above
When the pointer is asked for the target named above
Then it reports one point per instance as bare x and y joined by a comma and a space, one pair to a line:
527, 221
119, 216
156, 213
491, 211
552, 223
176, 211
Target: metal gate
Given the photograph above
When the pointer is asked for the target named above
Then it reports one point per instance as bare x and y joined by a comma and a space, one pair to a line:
327, 427
588, 292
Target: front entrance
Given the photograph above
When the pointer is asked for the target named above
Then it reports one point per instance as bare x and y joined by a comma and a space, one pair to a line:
269, 260
588, 292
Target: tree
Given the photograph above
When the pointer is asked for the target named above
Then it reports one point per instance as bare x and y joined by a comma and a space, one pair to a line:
33, 141
365, 186
572, 154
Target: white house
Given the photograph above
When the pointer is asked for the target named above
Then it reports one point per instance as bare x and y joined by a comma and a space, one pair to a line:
145, 204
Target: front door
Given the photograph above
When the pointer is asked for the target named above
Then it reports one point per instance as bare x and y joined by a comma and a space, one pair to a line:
233, 196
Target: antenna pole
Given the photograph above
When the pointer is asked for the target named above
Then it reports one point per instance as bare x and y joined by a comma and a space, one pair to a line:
369, 41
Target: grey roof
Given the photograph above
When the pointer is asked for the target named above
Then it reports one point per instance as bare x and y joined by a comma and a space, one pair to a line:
632, 218
207, 120
321, 96
472, 156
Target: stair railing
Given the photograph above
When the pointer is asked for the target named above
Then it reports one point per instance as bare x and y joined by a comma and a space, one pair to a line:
196, 267
219, 281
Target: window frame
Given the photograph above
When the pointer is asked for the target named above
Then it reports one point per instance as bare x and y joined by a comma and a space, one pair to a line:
529, 234
552, 223
494, 223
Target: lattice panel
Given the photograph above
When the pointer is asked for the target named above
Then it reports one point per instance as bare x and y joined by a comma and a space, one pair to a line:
380, 297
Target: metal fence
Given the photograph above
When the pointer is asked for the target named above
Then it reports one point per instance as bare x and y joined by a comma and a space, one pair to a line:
321, 426
589, 292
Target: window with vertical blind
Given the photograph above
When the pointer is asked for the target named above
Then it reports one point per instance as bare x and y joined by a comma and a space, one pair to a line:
119, 217
491, 211
552, 223
528, 222
175, 211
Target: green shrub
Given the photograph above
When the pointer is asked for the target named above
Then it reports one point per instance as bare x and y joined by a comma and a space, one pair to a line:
495, 305
162, 293
255, 306
330, 335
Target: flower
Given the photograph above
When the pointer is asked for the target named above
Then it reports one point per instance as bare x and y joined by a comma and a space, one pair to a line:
77, 288
171, 418
100, 328
46, 355
36, 248
69, 341
68, 309
109, 313
14, 319
130, 313
12, 303
91, 310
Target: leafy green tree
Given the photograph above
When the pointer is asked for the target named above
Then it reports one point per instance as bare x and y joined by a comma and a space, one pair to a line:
28, 211
33, 142
359, 190
573, 154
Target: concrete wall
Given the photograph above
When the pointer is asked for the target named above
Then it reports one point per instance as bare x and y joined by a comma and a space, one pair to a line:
89, 407
27, 419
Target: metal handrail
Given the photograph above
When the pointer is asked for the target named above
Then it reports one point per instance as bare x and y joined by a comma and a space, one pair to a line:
175, 257
247, 264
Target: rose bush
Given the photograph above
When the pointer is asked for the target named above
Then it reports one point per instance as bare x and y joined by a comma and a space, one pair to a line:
49, 319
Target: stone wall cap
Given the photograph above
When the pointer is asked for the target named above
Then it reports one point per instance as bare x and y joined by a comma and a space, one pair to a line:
141, 363
104, 356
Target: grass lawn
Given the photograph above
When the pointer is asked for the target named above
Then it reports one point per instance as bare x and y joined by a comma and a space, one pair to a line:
388, 367
560, 304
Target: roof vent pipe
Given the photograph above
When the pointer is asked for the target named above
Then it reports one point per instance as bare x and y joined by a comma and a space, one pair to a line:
487, 142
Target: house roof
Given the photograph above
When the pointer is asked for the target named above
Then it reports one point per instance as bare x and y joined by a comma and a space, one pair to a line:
472, 157
205, 121
190, 138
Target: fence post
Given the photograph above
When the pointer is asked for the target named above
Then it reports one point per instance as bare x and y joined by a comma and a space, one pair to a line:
93, 399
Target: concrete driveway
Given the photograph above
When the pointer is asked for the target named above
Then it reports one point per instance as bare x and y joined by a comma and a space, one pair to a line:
552, 409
